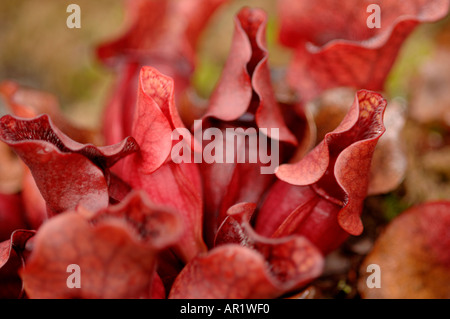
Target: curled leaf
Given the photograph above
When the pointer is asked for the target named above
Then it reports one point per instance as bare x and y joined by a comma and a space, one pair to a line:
155, 225
155, 118
152, 169
245, 84
56, 162
389, 159
246, 265
12, 258
324, 192
332, 50
121, 243
244, 100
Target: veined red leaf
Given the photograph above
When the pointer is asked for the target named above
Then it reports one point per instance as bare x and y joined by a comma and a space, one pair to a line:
66, 172
243, 99
246, 265
176, 185
334, 45
12, 258
115, 249
245, 84
323, 193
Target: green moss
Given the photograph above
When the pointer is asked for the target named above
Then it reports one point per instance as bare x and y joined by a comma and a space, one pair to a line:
413, 53
393, 206
206, 76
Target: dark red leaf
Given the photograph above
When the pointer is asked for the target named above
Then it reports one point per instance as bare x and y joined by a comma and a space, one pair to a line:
34, 205
154, 224
17, 241
246, 265
335, 47
228, 183
66, 172
243, 98
321, 196
11, 217
176, 185
116, 250
12, 258
245, 85
16, 131
236, 227
306, 259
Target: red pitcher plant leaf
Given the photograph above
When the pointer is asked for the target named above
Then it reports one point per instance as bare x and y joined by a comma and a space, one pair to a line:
243, 98
321, 196
177, 185
389, 161
245, 85
12, 258
239, 195
29, 103
246, 265
335, 46
10, 215
34, 205
66, 172
115, 251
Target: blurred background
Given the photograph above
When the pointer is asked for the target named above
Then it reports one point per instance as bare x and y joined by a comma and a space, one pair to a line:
37, 49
